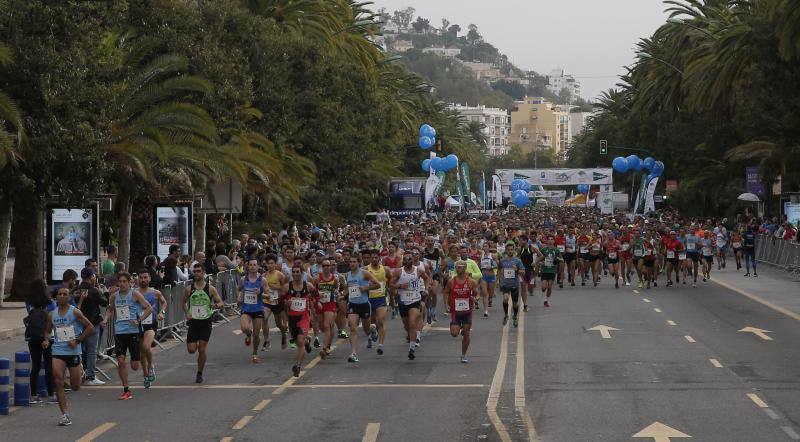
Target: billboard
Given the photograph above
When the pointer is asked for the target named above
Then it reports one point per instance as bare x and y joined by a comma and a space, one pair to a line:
754, 184
792, 212
557, 177
71, 239
172, 226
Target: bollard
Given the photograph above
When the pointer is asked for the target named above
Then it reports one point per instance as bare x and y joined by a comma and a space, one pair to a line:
22, 378
5, 371
41, 387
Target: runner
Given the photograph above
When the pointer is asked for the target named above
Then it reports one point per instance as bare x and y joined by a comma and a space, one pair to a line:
275, 282
583, 259
460, 292
561, 245
328, 289
406, 281
649, 260
488, 278
129, 309
721, 238
377, 300
69, 327
197, 301
637, 244
433, 259
707, 250
511, 268
749, 249
626, 266
672, 248
692, 252
736, 244
550, 257
150, 325
612, 247
527, 254
570, 257
595, 258
359, 282
251, 299
297, 300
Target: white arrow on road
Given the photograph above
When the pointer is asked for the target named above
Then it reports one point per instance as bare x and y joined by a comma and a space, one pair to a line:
604, 330
660, 432
761, 333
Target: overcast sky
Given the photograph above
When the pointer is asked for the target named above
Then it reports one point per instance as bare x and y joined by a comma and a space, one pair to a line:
591, 39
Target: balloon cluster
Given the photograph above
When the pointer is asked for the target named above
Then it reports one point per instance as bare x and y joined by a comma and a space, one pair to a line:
427, 139
519, 192
583, 188
633, 163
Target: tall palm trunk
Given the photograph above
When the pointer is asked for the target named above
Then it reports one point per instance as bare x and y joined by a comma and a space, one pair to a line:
199, 232
6, 215
125, 203
28, 241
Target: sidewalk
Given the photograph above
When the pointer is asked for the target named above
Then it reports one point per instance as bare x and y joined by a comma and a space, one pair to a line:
11, 315
773, 288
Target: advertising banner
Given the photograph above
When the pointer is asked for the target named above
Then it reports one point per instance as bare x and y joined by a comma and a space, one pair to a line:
557, 177
792, 212
172, 226
650, 204
497, 189
605, 200
467, 184
71, 240
754, 184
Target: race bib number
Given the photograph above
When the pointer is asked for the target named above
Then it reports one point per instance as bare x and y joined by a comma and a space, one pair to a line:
354, 291
408, 296
377, 293
706, 251
670, 254
324, 296
462, 305
571, 249
509, 273
612, 255
148, 319
682, 256
123, 313
250, 297
625, 246
273, 296
548, 261
65, 333
638, 252
298, 304
199, 311
690, 246
584, 250
737, 245
486, 263
648, 252
561, 248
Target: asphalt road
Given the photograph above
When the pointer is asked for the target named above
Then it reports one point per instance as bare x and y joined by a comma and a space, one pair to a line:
677, 366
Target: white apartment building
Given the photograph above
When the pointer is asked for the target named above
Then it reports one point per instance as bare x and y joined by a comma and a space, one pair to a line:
497, 124
443, 52
558, 80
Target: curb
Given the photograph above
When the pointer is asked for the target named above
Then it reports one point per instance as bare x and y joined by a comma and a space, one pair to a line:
11, 333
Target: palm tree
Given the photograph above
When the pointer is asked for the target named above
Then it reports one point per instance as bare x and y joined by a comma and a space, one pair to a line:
475, 129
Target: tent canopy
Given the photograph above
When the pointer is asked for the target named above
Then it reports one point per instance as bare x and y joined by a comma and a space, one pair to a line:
747, 196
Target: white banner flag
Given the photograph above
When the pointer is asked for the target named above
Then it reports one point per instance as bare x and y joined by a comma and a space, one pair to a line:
649, 202
430, 189
497, 187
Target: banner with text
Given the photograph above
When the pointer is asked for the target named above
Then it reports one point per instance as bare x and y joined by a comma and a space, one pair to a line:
649, 203
557, 177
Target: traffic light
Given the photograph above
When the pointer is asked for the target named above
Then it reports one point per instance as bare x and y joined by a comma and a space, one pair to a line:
603, 147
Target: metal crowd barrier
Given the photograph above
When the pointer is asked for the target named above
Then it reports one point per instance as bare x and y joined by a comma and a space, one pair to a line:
174, 322
779, 253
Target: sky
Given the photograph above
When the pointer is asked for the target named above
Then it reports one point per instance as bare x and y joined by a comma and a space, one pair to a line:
591, 39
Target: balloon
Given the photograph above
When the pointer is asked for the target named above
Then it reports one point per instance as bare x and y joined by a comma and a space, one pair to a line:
425, 142
426, 165
520, 199
648, 163
426, 130
620, 164
526, 186
517, 184
658, 168
634, 162
437, 164
583, 188
451, 161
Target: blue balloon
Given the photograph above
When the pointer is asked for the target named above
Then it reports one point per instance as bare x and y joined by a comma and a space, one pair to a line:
658, 168
650, 177
620, 164
425, 142
648, 163
426, 130
517, 184
451, 161
583, 188
521, 199
527, 186
634, 162
437, 164
426, 165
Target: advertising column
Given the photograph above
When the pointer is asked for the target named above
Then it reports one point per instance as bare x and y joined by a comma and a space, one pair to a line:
172, 226
71, 240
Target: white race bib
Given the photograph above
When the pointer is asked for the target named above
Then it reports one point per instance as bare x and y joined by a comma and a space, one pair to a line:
548, 261
123, 313
250, 296
737, 245
324, 296
584, 250
638, 252
690, 246
706, 251
682, 256
612, 255
508, 273
408, 296
670, 254
354, 291
298, 304
462, 305
65, 333
199, 311
625, 246
148, 319
561, 248
273, 296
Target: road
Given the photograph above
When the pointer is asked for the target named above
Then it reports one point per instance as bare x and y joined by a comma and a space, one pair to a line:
674, 363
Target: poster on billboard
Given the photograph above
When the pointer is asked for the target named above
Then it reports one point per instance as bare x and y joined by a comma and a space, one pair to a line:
71, 240
172, 226
753, 180
792, 212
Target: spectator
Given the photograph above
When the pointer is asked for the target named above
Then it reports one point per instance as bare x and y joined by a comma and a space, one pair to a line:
110, 262
170, 271
90, 299
183, 267
39, 304
156, 281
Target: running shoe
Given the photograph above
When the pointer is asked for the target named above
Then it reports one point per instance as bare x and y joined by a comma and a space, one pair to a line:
126, 395
485, 314
616, 285
353, 358
373, 333
292, 344
655, 283
369, 342
464, 359
694, 285
561, 285
525, 308
546, 304
296, 371
64, 421
505, 320
411, 354
490, 302
316, 341
147, 382
380, 349
247, 340
34, 400
95, 382
755, 275
266, 346
308, 346
254, 359
516, 323
199, 378
747, 274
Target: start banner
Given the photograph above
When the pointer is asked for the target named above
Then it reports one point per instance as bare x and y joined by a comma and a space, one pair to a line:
557, 177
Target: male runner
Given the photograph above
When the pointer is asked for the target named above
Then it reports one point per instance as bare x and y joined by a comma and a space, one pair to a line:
405, 281
197, 301
550, 255
460, 292
377, 300
359, 282
150, 325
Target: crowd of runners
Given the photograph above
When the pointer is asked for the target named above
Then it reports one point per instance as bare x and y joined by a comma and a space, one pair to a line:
317, 283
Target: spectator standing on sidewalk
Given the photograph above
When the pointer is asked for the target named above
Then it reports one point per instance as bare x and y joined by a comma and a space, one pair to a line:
39, 304
90, 298
110, 262
749, 249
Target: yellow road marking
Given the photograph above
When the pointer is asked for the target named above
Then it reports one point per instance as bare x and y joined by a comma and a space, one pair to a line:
645, 300
764, 302
497, 385
389, 386
689, 338
715, 363
657, 310
261, 405
97, 432
671, 322
226, 439
371, 435
519, 383
757, 400
242, 422
289, 382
